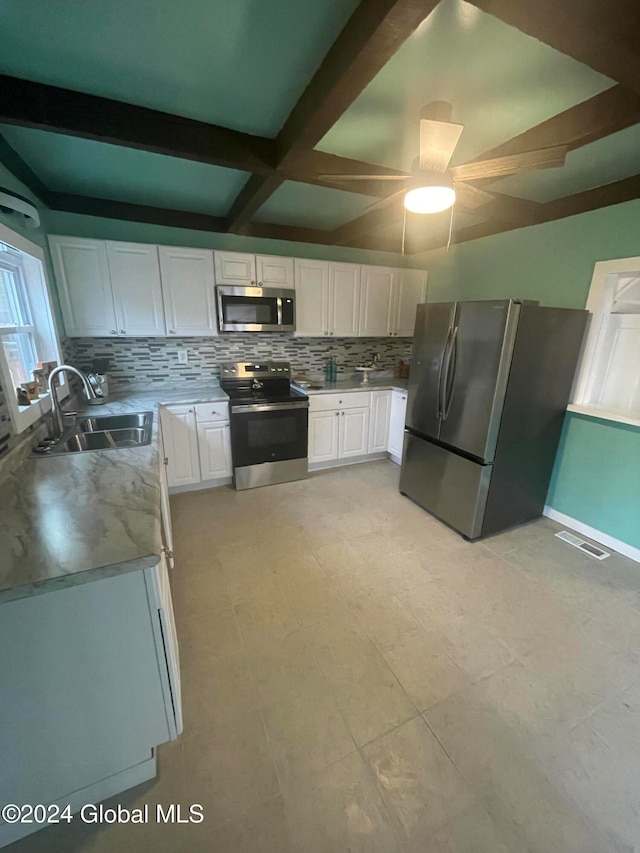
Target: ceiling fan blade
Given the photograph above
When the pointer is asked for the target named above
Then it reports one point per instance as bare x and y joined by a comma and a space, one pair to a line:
438, 136
384, 202
470, 197
528, 161
365, 177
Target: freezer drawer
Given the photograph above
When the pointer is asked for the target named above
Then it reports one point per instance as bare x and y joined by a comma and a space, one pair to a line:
450, 486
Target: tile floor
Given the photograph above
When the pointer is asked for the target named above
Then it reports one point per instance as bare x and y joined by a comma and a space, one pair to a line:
358, 678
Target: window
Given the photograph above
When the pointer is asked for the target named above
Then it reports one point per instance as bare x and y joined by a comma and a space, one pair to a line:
27, 331
608, 384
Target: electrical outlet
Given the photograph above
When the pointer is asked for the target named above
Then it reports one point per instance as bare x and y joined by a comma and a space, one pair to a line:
183, 356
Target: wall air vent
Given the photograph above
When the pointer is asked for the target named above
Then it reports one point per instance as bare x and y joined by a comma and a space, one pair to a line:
589, 549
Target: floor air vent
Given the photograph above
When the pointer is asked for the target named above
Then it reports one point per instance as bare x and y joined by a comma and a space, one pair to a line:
589, 549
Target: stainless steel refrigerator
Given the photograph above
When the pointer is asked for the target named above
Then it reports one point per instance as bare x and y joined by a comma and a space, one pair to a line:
490, 381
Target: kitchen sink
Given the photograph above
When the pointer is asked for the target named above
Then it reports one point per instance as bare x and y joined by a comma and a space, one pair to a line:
107, 439
109, 422
103, 432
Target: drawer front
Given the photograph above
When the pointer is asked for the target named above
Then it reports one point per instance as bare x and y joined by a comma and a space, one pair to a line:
211, 412
349, 400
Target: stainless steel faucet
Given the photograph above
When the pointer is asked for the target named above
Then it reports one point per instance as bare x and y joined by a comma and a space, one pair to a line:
57, 412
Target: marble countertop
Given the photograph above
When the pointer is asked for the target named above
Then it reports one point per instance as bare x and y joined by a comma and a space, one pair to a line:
351, 383
79, 517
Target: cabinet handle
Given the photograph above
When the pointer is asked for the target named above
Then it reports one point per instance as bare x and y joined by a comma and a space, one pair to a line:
342, 413
260, 284
114, 332
330, 333
172, 331
190, 411
253, 282
122, 332
165, 461
326, 333
337, 413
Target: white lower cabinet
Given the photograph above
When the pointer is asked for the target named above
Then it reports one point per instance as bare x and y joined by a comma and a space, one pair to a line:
214, 444
323, 436
181, 445
338, 426
379, 421
396, 424
197, 442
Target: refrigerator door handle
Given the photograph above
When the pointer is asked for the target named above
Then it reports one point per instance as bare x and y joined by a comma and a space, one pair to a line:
441, 375
450, 373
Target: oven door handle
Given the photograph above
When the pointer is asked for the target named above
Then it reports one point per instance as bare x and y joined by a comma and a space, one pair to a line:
268, 407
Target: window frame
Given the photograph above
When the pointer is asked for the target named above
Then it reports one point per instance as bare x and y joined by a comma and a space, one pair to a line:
43, 323
606, 275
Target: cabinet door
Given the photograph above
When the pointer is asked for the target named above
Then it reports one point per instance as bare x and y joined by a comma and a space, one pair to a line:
84, 287
214, 445
137, 294
188, 290
354, 432
273, 271
235, 268
396, 423
379, 421
344, 299
181, 445
312, 297
323, 436
376, 302
411, 290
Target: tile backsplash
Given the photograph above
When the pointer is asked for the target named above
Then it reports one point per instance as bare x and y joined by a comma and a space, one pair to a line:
156, 359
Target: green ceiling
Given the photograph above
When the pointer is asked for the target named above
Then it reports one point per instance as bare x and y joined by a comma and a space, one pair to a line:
310, 206
499, 81
73, 165
244, 63
238, 63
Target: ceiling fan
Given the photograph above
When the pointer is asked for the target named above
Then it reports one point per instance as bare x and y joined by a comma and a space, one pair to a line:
433, 186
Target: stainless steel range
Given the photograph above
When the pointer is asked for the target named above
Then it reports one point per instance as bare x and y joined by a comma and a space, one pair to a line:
269, 423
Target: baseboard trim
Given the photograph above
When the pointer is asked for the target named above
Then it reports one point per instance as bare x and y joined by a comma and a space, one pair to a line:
591, 533
198, 487
95, 793
340, 463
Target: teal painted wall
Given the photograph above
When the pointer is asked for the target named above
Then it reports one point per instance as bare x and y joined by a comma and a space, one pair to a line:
597, 472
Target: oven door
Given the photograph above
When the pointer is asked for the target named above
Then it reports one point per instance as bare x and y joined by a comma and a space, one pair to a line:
268, 432
255, 309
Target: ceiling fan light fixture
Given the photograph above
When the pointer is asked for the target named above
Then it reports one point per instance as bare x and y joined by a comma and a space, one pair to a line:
429, 199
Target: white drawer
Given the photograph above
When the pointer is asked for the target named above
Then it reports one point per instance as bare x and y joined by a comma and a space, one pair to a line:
349, 400
209, 412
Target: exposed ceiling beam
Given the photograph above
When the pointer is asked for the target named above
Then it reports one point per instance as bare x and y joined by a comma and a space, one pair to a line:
567, 31
371, 36
608, 112
108, 209
250, 199
36, 105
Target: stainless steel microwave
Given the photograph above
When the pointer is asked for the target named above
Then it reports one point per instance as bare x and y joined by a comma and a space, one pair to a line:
256, 309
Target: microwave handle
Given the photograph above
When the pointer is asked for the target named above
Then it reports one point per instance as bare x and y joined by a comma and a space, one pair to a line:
279, 309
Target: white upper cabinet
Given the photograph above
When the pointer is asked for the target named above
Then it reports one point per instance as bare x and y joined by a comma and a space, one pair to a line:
411, 290
235, 268
188, 290
84, 287
344, 299
312, 297
246, 270
137, 294
377, 301
327, 298
272, 271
